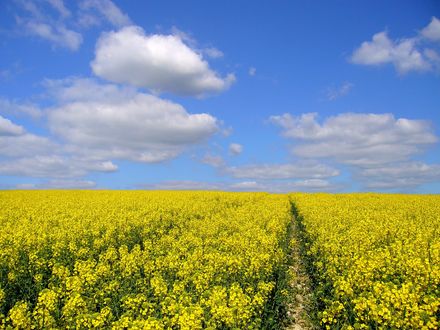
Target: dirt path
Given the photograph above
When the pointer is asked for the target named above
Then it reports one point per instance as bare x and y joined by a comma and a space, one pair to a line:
301, 305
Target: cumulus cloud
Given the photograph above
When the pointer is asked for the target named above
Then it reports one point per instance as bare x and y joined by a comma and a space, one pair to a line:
282, 171
26, 154
403, 54
357, 139
406, 54
252, 71
142, 127
95, 124
161, 63
25, 144
338, 92
235, 149
378, 148
432, 31
86, 90
400, 175
8, 128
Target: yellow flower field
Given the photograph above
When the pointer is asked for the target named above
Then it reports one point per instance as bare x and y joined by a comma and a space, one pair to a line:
215, 260
375, 259
140, 260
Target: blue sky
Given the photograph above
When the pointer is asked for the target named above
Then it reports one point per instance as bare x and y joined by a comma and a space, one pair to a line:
240, 95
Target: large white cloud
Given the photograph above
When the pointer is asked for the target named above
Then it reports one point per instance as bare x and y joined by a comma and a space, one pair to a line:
403, 54
25, 144
94, 124
161, 63
282, 171
378, 148
26, 154
357, 138
406, 54
138, 127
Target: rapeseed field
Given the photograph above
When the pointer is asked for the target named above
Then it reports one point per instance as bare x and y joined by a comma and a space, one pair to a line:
140, 260
216, 260
374, 258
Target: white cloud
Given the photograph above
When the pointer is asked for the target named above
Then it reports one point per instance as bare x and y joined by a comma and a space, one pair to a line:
357, 139
161, 63
335, 93
58, 34
104, 8
60, 7
432, 31
282, 171
16, 108
252, 71
38, 18
213, 52
400, 175
235, 149
96, 123
87, 90
406, 54
214, 161
433, 56
8, 128
25, 144
38, 23
142, 128
403, 54
26, 154
53, 166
